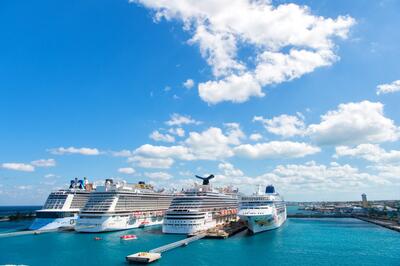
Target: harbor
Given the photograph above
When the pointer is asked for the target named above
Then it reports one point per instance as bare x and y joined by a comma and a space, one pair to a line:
282, 244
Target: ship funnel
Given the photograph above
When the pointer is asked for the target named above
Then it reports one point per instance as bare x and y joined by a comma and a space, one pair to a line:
206, 180
270, 189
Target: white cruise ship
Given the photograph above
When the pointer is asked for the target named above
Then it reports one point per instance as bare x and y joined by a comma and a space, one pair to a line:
263, 211
62, 207
200, 208
119, 206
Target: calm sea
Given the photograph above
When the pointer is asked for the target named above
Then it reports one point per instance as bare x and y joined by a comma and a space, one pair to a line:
298, 242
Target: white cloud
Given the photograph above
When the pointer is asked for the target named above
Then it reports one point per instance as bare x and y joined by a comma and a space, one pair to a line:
388, 88
122, 153
234, 133
180, 132
126, 170
370, 152
229, 170
178, 120
158, 175
44, 163
188, 84
283, 125
234, 88
354, 123
73, 150
286, 41
148, 162
157, 136
212, 144
275, 149
255, 137
18, 167
179, 152
322, 177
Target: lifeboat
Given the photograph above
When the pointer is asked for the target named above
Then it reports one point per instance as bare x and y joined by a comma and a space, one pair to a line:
128, 237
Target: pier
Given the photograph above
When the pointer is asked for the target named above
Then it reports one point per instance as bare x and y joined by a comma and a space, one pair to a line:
155, 254
27, 232
220, 232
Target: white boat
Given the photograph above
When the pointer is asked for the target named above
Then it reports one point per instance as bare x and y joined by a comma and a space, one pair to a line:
200, 208
263, 211
62, 207
120, 206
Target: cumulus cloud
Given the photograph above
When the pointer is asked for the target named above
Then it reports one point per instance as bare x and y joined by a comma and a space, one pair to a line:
255, 137
149, 162
44, 163
180, 132
18, 167
126, 170
287, 41
188, 84
234, 88
229, 170
322, 177
158, 175
73, 150
370, 152
283, 125
122, 153
212, 144
178, 152
388, 88
178, 120
354, 123
275, 149
157, 136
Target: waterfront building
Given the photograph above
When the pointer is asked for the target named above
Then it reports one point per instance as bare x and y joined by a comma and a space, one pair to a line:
119, 206
200, 208
62, 207
263, 211
364, 200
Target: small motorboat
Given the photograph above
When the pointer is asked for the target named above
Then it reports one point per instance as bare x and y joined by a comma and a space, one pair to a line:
128, 237
97, 238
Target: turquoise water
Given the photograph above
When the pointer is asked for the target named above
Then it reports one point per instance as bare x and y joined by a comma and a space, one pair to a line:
298, 242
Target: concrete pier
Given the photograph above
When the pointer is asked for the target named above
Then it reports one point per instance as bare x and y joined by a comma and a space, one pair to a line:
28, 232
155, 254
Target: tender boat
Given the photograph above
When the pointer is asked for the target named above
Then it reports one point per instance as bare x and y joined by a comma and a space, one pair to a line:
128, 237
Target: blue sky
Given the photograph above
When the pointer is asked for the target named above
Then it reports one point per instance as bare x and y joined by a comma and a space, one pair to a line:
273, 99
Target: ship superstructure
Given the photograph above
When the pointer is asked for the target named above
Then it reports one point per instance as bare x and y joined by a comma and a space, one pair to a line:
119, 206
200, 208
263, 211
62, 207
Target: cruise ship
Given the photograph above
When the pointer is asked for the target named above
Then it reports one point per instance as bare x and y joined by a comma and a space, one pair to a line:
62, 207
120, 206
263, 211
200, 208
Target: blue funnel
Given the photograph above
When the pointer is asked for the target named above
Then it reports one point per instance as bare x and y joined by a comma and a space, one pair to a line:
270, 189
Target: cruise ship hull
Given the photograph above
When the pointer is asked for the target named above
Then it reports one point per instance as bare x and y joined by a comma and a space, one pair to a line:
96, 224
187, 228
263, 222
53, 223
190, 226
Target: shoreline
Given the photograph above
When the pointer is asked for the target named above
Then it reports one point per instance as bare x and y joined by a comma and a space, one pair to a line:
383, 223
